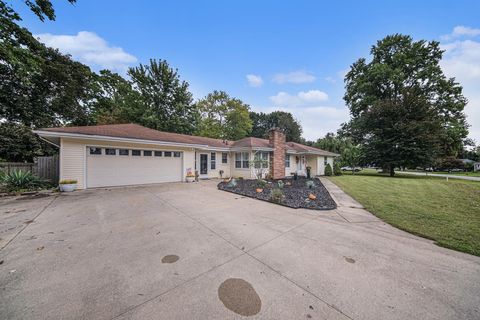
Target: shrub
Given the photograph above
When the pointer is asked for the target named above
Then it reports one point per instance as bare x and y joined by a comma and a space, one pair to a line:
232, 183
336, 169
310, 184
276, 195
22, 180
262, 183
280, 184
328, 170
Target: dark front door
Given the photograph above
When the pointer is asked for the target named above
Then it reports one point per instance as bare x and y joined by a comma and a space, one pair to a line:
203, 163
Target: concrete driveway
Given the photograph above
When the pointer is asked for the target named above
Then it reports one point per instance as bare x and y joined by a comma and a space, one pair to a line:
189, 251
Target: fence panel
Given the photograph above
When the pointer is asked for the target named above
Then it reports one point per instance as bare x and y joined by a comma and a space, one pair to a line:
12, 166
47, 168
44, 167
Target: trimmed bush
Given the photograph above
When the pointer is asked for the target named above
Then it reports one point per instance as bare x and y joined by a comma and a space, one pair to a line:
276, 195
336, 169
328, 170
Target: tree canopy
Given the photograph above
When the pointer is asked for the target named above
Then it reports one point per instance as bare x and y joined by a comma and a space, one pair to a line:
404, 111
223, 117
263, 122
167, 101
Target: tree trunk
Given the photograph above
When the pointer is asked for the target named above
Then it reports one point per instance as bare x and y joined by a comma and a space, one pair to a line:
392, 170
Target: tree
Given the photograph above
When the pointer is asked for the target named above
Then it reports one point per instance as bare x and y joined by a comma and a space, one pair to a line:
328, 170
333, 143
19, 144
405, 112
351, 157
223, 117
38, 85
116, 101
167, 100
263, 122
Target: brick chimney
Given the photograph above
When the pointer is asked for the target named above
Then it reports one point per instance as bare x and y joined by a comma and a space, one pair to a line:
276, 137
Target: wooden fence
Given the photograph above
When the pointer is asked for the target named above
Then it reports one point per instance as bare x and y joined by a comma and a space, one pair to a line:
44, 167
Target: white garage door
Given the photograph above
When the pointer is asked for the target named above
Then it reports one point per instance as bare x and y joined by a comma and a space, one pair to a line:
120, 167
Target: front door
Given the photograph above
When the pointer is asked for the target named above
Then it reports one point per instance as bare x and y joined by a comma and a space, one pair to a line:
203, 163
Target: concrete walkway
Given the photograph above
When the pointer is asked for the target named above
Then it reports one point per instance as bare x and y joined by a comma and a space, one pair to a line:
190, 251
442, 175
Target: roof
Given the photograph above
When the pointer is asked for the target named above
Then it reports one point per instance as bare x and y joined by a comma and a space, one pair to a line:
135, 131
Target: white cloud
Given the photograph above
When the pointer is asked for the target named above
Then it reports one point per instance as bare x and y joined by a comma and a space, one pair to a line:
254, 80
89, 48
283, 99
300, 76
462, 61
461, 31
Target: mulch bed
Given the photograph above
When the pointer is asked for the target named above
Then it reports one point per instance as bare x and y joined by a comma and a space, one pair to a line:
295, 195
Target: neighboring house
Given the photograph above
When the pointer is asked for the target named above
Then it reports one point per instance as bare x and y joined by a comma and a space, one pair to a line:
476, 166
129, 154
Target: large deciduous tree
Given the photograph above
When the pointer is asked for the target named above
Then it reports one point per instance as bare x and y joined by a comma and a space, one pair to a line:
223, 117
405, 111
167, 101
263, 122
38, 85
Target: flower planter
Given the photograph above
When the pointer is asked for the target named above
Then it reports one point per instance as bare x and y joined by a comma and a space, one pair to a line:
70, 187
190, 179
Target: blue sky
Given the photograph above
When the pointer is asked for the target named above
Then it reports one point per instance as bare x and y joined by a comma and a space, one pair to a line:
271, 54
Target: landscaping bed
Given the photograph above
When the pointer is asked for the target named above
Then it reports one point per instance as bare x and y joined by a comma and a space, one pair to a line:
294, 194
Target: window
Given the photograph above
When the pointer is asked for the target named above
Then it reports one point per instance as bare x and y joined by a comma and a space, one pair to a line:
213, 158
110, 152
176, 154
261, 160
95, 150
224, 157
241, 160
287, 161
325, 160
136, 153
167, 153
158, 153
147, 153
124, 152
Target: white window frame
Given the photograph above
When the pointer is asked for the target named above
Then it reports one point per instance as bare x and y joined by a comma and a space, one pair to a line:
287, 161
243, 158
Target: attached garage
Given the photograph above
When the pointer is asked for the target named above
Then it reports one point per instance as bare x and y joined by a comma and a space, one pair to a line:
117, 166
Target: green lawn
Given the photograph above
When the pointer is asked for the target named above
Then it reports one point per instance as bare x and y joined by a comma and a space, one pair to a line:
468, 174
445, 211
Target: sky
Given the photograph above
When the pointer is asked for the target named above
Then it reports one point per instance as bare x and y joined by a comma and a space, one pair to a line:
273, 55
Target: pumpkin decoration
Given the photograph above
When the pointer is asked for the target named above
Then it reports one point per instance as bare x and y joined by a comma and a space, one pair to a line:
259, 190
312, 196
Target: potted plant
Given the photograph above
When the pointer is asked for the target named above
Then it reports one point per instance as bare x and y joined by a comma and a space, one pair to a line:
67, 185
221, 173
190, 176
308, 172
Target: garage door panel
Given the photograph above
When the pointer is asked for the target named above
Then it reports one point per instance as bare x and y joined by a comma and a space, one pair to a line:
108, 170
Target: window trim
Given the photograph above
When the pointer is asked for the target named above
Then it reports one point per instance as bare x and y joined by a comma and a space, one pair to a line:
287, 161
213, 160
147, 155
243, 158
167, 154
95, 154
136, 155
120, 152
110, 154
158, 153
224, 159
177, 154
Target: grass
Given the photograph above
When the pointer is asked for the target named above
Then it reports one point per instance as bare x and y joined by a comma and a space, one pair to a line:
468, 174
445, 211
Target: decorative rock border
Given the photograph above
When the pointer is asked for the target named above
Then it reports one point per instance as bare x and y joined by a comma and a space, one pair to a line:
296, 195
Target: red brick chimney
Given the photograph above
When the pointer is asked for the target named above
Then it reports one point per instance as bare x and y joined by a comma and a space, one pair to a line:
276, 138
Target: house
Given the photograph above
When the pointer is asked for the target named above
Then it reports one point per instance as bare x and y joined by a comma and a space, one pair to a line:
130, 154
476, 166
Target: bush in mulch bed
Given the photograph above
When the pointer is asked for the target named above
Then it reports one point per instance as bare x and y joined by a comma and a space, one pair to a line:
294, 193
